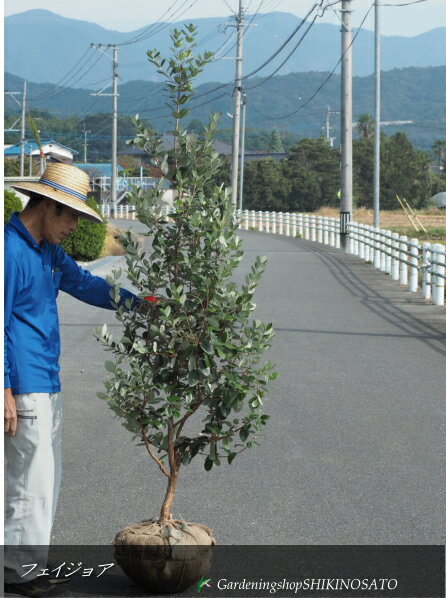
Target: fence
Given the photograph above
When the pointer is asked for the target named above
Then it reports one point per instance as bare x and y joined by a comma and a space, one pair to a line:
403, 259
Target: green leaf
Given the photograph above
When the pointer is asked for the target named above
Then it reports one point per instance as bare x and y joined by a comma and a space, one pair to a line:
110, 366
193, 378
207, 347
244, 434
208, 464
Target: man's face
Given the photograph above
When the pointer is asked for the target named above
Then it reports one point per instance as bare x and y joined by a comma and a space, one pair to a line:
59, 221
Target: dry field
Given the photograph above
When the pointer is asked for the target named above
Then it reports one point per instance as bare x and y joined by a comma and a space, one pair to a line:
432, 217
434, 220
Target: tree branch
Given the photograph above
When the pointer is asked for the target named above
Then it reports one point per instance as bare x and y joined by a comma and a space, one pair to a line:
154, 457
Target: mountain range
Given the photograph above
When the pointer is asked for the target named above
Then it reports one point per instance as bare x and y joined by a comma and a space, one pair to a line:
42, 47
296, 102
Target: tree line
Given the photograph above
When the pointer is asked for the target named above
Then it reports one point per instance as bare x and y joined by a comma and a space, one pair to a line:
310, 177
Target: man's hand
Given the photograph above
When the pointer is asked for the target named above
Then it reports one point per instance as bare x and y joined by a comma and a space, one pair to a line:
10, 413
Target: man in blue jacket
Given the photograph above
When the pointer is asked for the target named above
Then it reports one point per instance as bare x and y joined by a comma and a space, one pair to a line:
36, 267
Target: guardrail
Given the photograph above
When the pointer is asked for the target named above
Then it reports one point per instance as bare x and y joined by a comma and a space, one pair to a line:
402, 258
127, 212
312, 228
405, 260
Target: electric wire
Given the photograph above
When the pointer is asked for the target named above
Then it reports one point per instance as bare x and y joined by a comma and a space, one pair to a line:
223, 85
311, 98
65, 89
69, 83
161, 26
287, 58
150, 27
68, 73
406, 3
289, 38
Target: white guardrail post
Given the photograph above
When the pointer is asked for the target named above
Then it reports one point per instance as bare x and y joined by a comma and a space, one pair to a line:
438, 260
253, 219
361, 246
260, 220
287, 224
280, 216
267, 215
325, 222
376, 248
313, 228
382, 248
273, 223
306, 226
300, 225
389, 249
319, 225
356, 232
413, 274
366, 233
293, 225
425, 270
395, 265
332, 233
403, 255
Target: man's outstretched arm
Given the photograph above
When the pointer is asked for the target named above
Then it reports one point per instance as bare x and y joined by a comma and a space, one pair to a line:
84, 286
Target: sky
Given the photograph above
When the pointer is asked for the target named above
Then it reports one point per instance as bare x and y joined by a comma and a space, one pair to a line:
130, 15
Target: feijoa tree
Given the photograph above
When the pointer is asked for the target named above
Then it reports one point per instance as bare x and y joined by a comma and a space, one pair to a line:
188, 376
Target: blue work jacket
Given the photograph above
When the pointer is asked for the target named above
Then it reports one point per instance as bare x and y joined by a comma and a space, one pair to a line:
33, 276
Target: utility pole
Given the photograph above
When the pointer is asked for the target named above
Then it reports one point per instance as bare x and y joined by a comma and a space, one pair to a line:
114, 129
115, 96
23, 124
22, 132
237, 102
346, 124
377, 141
242, 152
85, 143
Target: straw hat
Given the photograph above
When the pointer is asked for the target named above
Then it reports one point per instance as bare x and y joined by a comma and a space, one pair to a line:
65, 184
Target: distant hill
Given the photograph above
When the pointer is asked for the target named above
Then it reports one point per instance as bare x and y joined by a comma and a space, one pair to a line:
42, 46
416, 94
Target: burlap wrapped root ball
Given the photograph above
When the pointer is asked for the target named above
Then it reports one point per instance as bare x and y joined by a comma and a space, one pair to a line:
164, 558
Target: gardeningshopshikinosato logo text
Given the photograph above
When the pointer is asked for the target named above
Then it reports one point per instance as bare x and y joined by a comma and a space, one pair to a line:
316, 585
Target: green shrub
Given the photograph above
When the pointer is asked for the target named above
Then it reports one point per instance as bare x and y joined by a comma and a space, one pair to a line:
87, 241
12, 204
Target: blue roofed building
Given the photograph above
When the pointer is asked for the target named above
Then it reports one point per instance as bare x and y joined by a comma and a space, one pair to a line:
51, 149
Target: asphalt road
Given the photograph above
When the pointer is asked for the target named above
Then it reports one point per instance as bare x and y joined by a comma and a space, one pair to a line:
354, 451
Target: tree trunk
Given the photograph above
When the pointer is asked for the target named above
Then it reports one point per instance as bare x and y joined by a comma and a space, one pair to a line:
165, 514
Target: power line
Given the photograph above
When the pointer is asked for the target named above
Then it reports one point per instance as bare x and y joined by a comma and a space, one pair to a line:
54, 92
287, 58
325, 80
150, 27
289, 38
405, 4
140, 37
56, 85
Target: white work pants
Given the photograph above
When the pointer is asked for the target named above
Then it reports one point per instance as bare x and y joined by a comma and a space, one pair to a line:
33, 476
